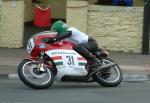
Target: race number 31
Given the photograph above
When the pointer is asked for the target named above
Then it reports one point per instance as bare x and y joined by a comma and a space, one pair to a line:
70, 60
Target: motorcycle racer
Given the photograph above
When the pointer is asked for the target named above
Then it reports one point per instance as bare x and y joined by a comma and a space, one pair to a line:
84, 44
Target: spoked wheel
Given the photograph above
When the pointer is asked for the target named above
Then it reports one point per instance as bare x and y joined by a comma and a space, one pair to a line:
32, 77
109, 77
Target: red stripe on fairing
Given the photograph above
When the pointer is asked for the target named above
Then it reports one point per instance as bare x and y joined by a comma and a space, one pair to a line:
57, 57
81, 58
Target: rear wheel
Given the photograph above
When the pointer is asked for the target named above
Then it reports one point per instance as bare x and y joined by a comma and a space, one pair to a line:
29, 75
109, 77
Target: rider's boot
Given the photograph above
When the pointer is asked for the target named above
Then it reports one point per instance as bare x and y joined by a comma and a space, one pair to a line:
94, 62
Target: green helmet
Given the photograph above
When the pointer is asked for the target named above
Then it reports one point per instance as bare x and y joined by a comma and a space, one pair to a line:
59, 27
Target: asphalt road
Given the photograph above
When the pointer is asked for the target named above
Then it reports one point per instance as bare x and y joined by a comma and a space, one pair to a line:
14, 91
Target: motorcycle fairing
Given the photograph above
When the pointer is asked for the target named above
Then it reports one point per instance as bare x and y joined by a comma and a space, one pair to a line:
68, 63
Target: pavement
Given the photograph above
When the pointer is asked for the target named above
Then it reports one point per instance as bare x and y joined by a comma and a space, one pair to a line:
135, 67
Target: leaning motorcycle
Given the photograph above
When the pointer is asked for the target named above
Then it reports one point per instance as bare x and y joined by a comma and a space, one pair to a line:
59, 62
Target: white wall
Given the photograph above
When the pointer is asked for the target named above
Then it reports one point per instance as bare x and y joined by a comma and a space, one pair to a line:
12, 20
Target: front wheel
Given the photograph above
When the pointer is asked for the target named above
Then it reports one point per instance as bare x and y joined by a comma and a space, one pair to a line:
109, 77
27, 71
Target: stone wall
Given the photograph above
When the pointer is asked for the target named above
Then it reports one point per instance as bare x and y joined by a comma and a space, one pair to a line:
0, 14
77, 14
12, 20
116, 28
0, 8
138, 3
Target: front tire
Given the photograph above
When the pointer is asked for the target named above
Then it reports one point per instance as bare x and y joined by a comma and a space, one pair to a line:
26, 72
106, 81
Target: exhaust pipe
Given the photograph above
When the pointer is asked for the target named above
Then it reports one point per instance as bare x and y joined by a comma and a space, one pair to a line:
106, 66
102, 67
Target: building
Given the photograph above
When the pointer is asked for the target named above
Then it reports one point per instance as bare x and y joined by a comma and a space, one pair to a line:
115, 28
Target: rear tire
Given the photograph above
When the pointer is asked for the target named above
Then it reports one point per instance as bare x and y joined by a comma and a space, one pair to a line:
29, 83
104, 81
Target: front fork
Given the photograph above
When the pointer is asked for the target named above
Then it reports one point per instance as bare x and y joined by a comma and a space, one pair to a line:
40, 65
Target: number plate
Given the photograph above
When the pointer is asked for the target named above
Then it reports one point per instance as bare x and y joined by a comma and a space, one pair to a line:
30, 45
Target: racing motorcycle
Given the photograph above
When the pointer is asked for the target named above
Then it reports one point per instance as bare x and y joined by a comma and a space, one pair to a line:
59, 62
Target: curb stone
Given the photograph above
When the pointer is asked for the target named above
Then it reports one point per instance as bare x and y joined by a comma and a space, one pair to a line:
126, 78
13, 76
136, 77
9, 76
